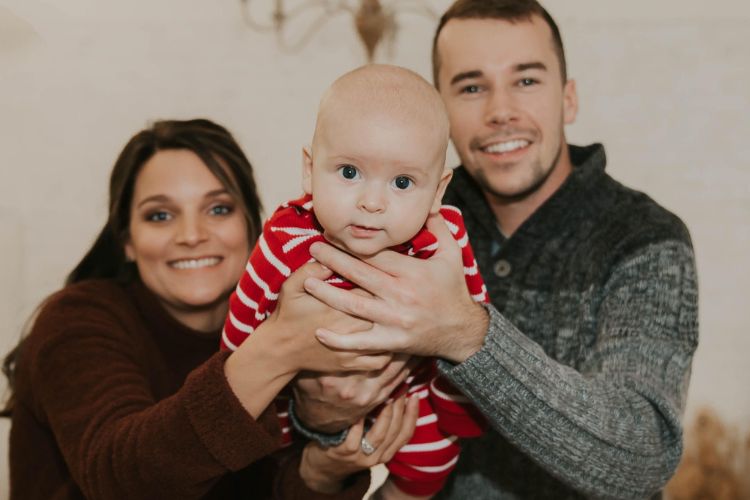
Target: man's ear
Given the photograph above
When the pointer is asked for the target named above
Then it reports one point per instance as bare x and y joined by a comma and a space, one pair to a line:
570, 102
444, 180
307, 164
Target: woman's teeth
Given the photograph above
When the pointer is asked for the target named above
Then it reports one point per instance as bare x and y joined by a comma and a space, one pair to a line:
196, 263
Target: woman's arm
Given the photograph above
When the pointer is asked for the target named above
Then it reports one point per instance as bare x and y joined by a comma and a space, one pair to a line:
86, 379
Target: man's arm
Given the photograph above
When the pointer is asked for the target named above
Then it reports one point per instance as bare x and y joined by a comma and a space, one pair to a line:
619, 415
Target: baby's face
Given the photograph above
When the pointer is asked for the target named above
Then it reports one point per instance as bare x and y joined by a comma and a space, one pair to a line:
374, 179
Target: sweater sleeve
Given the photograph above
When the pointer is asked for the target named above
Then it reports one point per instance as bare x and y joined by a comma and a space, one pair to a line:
117, 440
620, 412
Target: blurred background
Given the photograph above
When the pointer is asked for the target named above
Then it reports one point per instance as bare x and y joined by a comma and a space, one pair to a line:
665, 86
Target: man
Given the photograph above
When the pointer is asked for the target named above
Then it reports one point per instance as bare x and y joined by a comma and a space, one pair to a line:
582, 362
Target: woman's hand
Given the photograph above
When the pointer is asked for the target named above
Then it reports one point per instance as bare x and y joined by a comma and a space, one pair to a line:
298, 315
332, 402
325, 469
285, 344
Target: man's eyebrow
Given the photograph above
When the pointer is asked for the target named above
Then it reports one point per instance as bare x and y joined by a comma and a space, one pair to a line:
466, 75
530, 65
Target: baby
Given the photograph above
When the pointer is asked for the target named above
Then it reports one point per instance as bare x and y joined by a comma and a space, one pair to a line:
373, 175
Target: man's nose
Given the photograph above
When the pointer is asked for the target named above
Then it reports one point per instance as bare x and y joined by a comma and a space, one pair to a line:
501, 108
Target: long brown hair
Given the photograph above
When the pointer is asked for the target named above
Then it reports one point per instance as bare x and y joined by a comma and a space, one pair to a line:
221, 154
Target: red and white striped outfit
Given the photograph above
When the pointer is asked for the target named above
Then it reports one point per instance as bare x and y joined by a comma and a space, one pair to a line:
422, 465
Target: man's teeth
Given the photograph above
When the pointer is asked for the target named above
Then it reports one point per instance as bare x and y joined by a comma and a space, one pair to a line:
196, 263
505, 147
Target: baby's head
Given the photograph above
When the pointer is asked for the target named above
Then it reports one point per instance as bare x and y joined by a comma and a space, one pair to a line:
376, 168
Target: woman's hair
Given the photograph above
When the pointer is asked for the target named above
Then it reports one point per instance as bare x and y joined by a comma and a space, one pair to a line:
216, 148
221, 154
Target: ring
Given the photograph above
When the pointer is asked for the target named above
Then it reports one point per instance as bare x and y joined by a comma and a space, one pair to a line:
367, 447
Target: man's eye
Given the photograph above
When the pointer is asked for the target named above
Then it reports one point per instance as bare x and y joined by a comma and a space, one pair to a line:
402, 182
526, 82
348, 172
159, 216
470, 89
221, 210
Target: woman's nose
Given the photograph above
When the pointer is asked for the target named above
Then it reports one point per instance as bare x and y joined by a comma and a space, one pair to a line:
191, 231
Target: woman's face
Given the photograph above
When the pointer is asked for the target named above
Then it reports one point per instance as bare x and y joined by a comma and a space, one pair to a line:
188, 237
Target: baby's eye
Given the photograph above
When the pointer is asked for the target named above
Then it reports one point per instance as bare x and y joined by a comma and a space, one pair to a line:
348, 172
159, 216
402, 182
221, 210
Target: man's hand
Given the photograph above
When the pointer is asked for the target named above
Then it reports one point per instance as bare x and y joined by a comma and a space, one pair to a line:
418, 306
332, 402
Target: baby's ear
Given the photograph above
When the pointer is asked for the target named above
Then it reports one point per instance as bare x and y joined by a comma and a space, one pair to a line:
307, 164
444, 180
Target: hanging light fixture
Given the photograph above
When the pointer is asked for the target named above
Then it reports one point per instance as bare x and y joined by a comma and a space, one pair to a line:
374, 20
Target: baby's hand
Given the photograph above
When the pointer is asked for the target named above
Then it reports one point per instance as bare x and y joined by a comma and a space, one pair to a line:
325, 469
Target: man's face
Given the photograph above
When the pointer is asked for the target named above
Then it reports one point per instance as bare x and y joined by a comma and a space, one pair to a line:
507, 104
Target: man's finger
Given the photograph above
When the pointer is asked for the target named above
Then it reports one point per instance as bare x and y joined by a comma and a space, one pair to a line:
353, 269
309, 270
390, 262
364, 307
369, 362
360, 341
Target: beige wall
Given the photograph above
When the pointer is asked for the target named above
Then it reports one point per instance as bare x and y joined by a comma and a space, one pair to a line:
667, 92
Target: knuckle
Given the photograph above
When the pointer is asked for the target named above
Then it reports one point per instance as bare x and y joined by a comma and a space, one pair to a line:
347, 394
327, 385
357, 306
361, 400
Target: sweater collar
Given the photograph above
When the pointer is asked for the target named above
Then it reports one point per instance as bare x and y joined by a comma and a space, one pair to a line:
164, 324
588, 165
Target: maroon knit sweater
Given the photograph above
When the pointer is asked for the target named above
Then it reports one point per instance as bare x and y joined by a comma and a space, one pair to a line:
115, 399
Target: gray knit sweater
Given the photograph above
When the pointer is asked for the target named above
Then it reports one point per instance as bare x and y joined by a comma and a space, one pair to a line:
585, 367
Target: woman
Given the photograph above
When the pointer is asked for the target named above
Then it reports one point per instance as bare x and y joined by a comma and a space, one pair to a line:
119, 391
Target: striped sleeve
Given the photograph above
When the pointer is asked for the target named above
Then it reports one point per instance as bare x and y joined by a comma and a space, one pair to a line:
474, 282
456, 413
281, 249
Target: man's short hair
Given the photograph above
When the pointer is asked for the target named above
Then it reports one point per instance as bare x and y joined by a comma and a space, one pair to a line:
506, 10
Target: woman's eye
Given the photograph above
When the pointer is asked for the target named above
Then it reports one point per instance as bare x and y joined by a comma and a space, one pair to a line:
160, 216
348, 172
402, 182
221, 210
